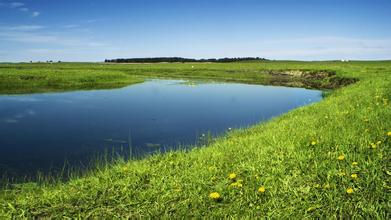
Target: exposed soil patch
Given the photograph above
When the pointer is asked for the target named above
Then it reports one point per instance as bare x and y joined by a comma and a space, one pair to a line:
323, 79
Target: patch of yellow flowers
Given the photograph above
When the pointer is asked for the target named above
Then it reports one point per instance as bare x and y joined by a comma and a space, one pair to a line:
375, 145
236, 185
232, 176
341, 157
215, 196
261, 189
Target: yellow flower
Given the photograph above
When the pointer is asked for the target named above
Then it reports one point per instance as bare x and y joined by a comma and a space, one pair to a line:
349, 191
313, 143
354, 163
236, 185
232, 176
389, 133
341, 157
354, 176
261, 189
215, 196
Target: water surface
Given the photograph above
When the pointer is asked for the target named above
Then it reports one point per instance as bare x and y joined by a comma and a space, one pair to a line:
41, 131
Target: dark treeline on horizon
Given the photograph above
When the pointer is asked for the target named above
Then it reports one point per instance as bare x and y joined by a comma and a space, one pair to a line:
179, 59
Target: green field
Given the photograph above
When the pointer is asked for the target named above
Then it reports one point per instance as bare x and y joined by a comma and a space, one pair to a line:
329, 159
44, 77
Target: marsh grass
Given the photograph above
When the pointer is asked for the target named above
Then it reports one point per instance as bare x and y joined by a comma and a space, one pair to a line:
298, 165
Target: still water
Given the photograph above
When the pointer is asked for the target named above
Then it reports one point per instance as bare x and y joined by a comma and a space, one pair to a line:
38, 132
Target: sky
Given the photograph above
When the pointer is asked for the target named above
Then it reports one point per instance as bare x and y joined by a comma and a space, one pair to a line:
94, 30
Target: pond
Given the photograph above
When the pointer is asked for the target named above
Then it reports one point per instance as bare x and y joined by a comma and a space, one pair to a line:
39, 132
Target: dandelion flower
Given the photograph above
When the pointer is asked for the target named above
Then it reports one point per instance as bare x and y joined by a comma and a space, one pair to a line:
261, 189
354, 163
215, 196
349, 191
389, 133
313, 143
232, 176
341, 157
354, 175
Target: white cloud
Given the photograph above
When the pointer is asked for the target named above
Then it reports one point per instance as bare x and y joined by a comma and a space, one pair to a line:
35, 14
37, 34
23, 28
325, 48
16, 4
69, 26
21, 7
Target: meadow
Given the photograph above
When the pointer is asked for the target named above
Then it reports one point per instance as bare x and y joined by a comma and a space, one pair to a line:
328, 159
52, 77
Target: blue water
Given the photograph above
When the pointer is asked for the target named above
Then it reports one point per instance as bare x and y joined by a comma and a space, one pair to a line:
39, 132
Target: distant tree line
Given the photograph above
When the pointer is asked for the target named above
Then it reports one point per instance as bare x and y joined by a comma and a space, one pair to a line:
180, 60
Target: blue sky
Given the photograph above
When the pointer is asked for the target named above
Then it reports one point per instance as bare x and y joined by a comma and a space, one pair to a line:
93, 30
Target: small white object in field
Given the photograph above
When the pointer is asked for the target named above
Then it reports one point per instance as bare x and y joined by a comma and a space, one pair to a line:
192, 66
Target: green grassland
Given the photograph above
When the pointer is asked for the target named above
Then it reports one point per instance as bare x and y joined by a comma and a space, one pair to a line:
44, 77
328, 159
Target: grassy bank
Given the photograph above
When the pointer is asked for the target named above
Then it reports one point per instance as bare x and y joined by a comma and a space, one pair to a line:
33, 78
50, 77
326, 159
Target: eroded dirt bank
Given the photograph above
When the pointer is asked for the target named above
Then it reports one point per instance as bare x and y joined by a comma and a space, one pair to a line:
323, 79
